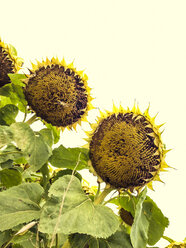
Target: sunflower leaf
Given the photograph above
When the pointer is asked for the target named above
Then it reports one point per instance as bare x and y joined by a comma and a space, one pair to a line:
17, 78
67, 158
11, 152
28, 240
32, 144
120, 239
15, 95
55, 131
6, 135
4, 237
47, 136
19, 204
140, 227
79, 214
10, 177
8, 114
157, 221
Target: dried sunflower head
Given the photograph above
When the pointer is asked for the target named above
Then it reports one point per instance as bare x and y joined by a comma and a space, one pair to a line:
126, 150
9, 62
58, 93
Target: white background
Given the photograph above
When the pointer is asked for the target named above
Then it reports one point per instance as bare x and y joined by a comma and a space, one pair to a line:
130, 50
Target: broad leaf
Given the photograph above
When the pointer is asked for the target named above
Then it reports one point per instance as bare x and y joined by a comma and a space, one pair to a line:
6, 136
32, 144
19, 204
47, 135
67, 157
10, 153
5, 236
65, 172
8, 114
158, 222
120, 239
79, 214
10, 177
28, 240
17, 79
15, 95
140, 227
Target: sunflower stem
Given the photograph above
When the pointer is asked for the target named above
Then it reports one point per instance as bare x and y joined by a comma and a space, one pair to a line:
32, 119
103, 194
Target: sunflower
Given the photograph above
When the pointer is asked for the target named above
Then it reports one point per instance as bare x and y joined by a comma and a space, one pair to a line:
58, 93
9, 62
126, 150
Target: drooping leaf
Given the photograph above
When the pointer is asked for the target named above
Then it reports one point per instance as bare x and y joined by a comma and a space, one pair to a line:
6, 135
120, 239
11, 152
47, 136
55, 131
32, 144
79, 214
140, 227
10, 177
67, 157
19, 204
8, 114
157, 221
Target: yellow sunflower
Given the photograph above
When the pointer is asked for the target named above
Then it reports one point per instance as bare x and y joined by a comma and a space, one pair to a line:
126, 150
58, 93
9, 62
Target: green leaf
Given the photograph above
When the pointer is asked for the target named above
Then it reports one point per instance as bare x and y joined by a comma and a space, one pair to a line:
67, 157
127, 202
15, 94
140, 227
5, 237
55, 131
6, 135
28, 240
120, 239
157, 221
19, 204
8, 114
17, 78
32, 144
10, 177
79, 214
10, 153
62, 173
47, 135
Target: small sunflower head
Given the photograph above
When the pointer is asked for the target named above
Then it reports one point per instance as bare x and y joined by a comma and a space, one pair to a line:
126, 150
126, 216
58, 93
9, 62
177, 245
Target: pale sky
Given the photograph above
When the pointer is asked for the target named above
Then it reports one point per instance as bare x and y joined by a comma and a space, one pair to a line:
131, 51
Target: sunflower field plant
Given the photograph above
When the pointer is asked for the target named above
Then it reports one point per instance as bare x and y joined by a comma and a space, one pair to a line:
44, 200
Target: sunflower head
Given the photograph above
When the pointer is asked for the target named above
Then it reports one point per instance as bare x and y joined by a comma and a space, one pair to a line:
9, 62
126, 149
177, 245
126, 216
58, 93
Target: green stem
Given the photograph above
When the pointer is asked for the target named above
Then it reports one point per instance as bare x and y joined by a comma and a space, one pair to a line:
32, 119
110, 200
103, 194
98, 191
